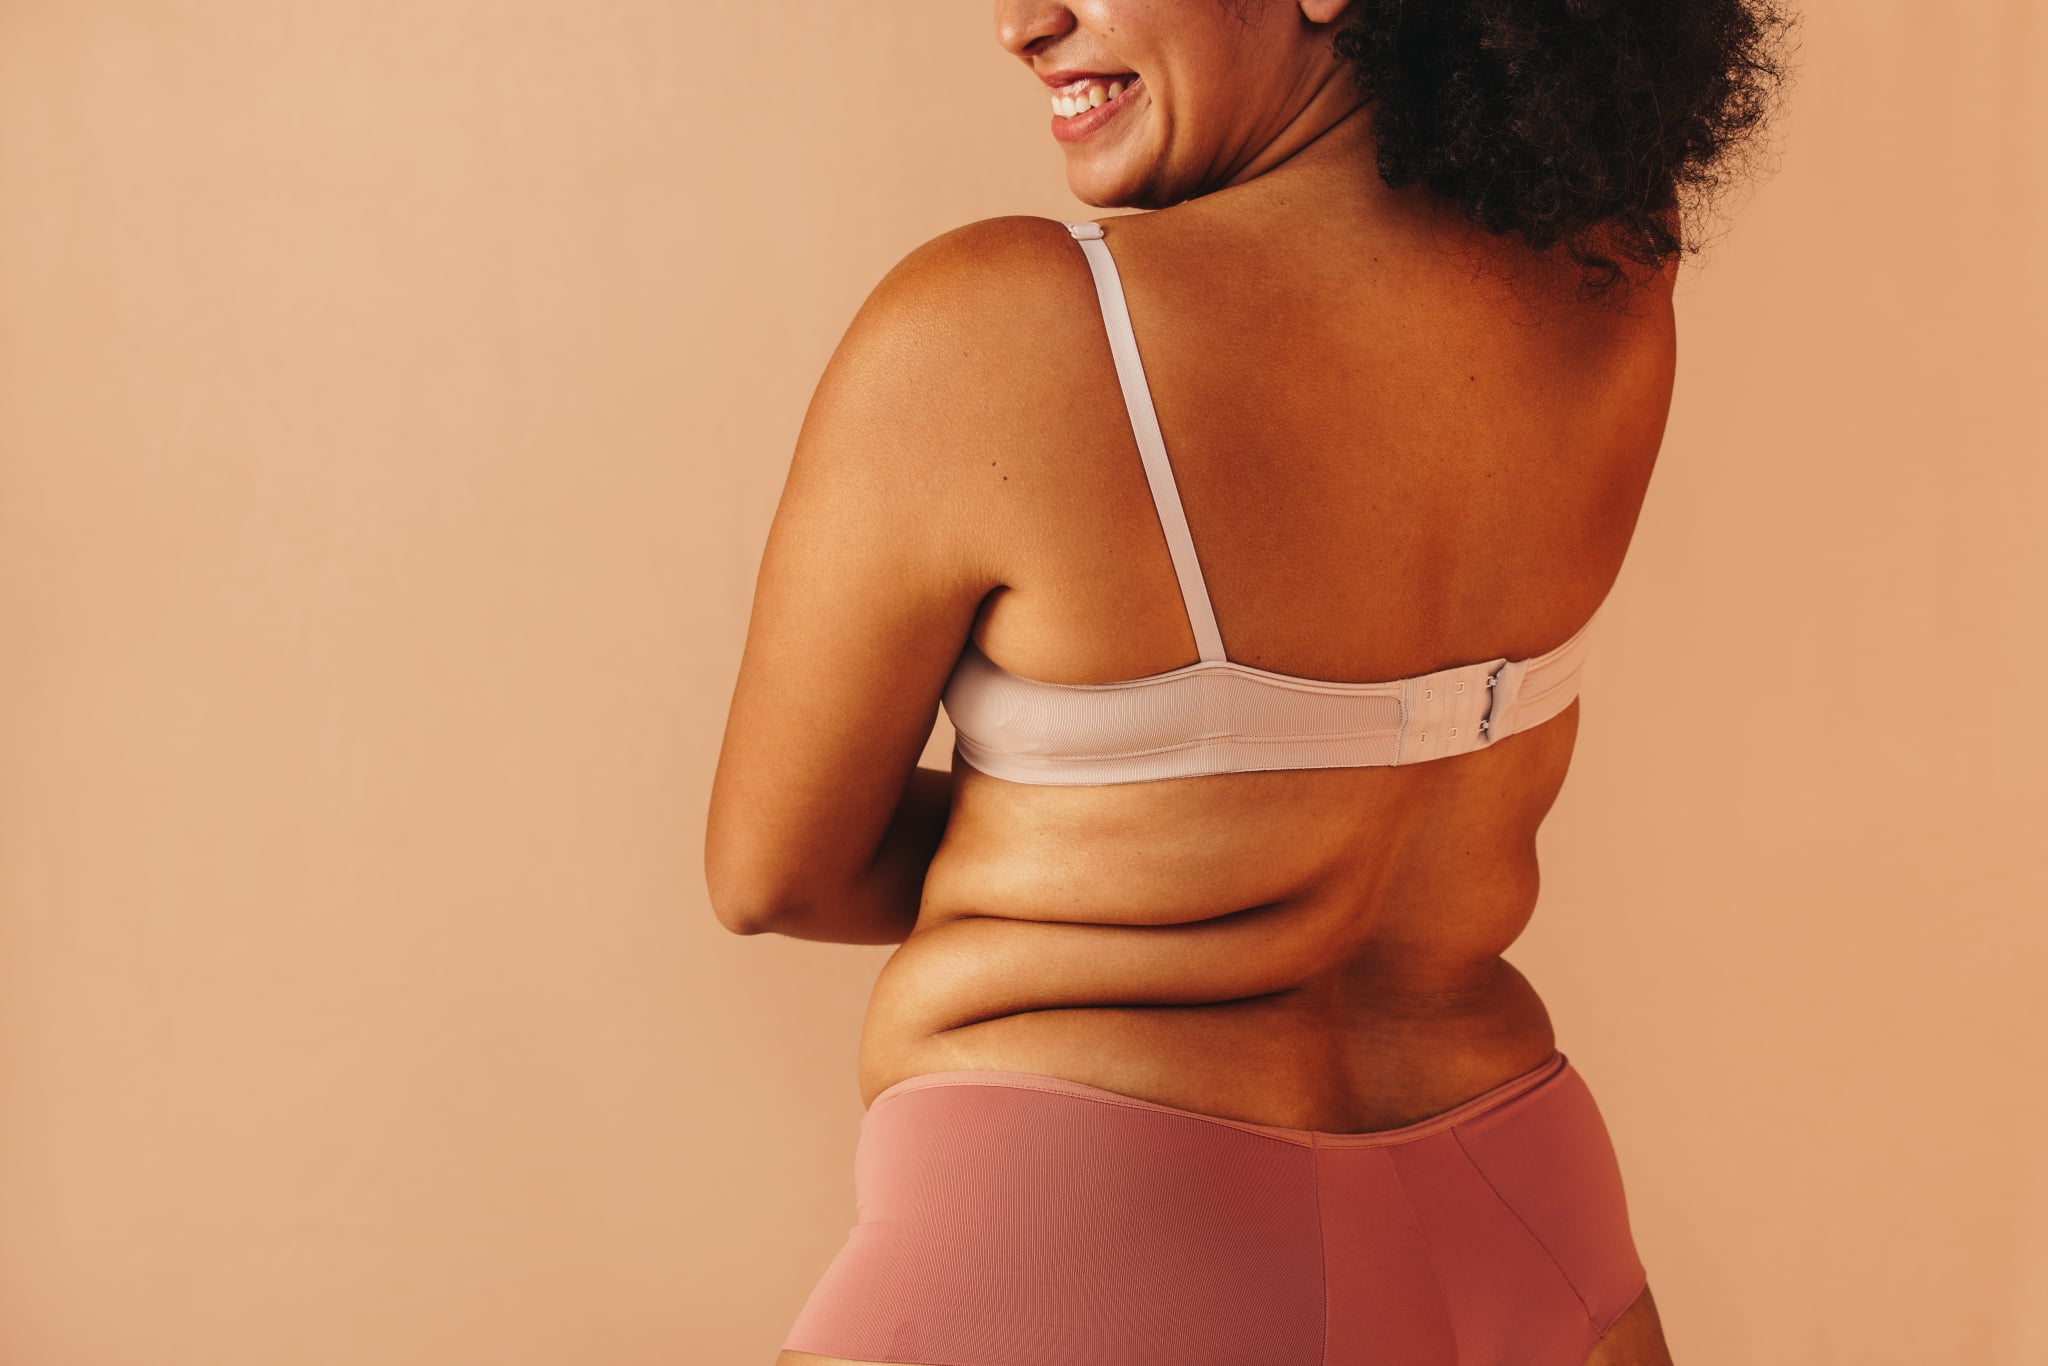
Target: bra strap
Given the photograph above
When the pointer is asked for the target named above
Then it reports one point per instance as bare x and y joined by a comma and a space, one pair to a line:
1130, 373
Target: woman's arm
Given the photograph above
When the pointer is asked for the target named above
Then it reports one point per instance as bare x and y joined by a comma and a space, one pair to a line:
881, 907
883, 548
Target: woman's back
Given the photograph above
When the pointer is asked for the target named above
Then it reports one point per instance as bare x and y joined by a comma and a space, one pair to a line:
1390, 464
1211, 530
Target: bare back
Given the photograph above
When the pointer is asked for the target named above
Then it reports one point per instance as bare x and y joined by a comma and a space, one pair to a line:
1389, 466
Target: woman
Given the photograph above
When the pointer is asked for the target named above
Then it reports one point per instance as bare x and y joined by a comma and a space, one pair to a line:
1251, 545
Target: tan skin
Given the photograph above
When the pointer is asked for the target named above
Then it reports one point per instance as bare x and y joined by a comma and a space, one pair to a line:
1401, 446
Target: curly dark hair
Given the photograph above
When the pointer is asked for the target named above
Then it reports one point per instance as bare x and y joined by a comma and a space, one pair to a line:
1599, 127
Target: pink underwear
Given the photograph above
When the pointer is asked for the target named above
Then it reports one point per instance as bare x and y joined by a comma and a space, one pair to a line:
1012, 1219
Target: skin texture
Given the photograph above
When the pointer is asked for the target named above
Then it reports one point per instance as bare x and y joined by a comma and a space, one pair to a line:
1400, 445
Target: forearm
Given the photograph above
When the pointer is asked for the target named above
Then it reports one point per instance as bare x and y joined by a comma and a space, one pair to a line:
881, 907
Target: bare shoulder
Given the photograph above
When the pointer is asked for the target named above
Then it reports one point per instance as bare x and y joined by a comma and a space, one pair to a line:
970, 331
952, 347
981, 279
953, 386
970, 336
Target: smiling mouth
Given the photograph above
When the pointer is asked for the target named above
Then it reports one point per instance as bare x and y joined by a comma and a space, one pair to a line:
1093, 93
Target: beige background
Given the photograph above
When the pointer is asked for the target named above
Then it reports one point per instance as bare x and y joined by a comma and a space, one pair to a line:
393, 398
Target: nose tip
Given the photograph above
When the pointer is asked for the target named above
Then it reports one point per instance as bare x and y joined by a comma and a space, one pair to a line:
1024, 26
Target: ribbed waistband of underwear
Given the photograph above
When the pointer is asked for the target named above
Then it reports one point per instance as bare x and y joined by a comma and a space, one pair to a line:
1513, 1089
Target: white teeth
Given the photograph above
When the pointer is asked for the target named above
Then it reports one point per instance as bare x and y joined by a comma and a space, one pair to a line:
1066, 106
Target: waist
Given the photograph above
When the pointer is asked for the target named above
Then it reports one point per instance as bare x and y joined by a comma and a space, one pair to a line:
1271, 1015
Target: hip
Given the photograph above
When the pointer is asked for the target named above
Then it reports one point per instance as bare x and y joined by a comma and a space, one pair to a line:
1007, 1217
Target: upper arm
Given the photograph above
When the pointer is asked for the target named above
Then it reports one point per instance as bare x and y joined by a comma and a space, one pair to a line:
880, 552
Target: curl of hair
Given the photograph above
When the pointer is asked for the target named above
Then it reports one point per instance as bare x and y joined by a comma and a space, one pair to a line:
1599, 127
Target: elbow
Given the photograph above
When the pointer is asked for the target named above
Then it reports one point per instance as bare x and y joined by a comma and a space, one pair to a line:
744, 917
740, 907
740, 921
743, 899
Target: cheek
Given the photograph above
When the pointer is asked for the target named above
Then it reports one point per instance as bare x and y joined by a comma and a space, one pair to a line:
1154, 36
1200, 59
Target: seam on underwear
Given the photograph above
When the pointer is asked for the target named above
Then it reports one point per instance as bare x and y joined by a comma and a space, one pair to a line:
1626, 1305
1315, 1171
1505, 1204
1243, 1126
886, 1361
1443, 1298
1551, 1069
1447, 1121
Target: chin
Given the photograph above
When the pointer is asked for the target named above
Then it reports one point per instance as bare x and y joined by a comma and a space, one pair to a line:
1109, 185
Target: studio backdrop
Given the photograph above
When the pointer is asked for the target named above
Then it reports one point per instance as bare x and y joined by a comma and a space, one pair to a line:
393, 401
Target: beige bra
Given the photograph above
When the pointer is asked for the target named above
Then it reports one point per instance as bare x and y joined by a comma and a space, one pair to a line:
1215, 715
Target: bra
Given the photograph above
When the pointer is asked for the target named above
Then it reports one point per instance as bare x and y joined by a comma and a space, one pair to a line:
1216, 715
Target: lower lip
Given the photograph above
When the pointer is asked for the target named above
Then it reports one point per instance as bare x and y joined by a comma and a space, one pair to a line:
1081, 125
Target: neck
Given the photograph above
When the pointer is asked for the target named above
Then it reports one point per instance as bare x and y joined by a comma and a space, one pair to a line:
1329, 133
